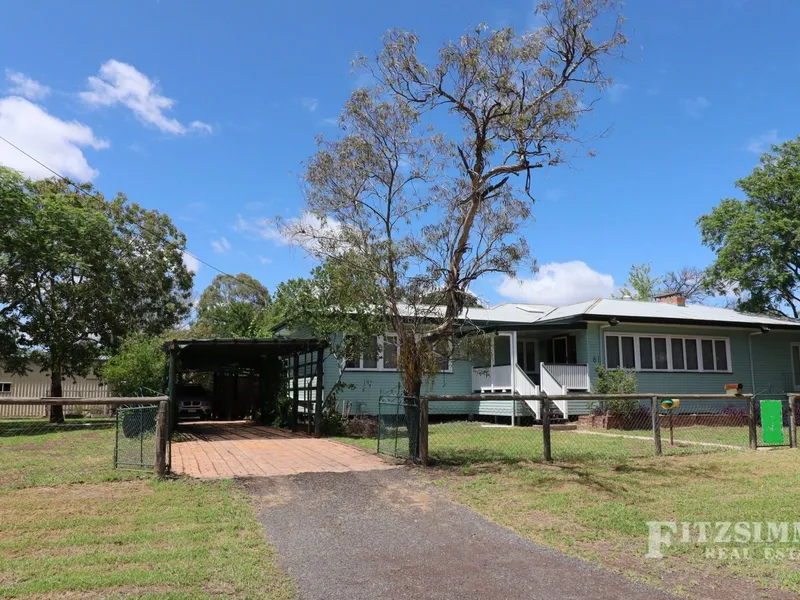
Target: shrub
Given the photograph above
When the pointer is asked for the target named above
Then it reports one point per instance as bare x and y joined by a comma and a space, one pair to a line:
616, 381
361, 427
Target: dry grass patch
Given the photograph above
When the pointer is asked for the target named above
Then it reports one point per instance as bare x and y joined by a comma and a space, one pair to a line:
599, 512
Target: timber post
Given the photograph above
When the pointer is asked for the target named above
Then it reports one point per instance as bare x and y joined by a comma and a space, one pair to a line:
751, 422
173, 399
295, 390
319, 390
655, 423
546, 442
162, 434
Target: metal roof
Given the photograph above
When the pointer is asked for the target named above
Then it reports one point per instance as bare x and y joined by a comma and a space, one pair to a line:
601, 309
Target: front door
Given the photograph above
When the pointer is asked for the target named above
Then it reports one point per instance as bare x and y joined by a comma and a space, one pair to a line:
526, 357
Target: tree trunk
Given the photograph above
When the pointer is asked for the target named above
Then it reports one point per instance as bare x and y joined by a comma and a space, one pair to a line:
411, 391
56, 412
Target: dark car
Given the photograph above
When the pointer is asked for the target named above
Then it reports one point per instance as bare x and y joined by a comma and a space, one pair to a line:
193, 402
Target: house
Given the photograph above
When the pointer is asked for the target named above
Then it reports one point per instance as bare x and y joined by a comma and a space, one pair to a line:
673, 347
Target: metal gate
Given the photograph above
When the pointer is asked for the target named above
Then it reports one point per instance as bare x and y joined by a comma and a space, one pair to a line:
398, 426
135, 445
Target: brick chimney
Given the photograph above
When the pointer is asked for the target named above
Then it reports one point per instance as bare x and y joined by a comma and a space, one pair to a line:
675, 298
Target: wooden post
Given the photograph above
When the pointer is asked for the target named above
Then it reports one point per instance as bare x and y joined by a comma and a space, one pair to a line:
319, 390
792, 422
656, 423
295, 392
162, 433
751, 422
548, 450
423, 431
173, 399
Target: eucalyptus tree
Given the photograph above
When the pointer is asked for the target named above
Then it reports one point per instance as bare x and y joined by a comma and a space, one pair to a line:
432, 178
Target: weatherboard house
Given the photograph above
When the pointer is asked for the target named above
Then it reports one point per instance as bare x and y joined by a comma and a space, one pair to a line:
673, 347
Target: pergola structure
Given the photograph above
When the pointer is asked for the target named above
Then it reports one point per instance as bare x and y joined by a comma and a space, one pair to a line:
254, 360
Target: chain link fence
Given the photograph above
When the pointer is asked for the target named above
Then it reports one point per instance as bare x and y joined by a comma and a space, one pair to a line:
398, 426
473, 429
75, 441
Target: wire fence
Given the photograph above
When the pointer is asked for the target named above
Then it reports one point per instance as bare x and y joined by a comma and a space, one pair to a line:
398, 418
610, 428
77, 441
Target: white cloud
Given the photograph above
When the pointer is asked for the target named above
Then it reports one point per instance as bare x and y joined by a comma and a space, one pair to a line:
56, 143
559, 284
265, 260
330, 121
221, 245
763, 143
192, 264
24, 86
303, 231
121, 83
310, 104
616, 91
694, 107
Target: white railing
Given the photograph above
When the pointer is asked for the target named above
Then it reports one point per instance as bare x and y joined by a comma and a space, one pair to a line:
494, 379
525, 387
552, 387
572, 377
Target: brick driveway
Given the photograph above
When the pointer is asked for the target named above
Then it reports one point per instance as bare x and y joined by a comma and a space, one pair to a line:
220, 450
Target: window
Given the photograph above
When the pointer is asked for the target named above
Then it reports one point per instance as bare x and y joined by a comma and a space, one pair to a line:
795, 350
5, 387
677, 354
667, 353
390, 351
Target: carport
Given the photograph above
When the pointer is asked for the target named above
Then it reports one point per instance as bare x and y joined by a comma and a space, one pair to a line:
250, 375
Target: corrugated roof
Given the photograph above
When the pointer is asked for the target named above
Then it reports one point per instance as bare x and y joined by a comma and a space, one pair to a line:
629, 310
650, 311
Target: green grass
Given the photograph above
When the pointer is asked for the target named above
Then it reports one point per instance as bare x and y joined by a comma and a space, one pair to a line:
147, 538
45, 454
600, 512
73, 525
465, 443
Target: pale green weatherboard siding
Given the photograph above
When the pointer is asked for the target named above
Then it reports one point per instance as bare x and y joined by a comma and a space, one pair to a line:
771, 362
369, 386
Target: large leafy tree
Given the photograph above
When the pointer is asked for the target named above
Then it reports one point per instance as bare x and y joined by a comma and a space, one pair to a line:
138, 368
78, 273
423, 210
231, 306
757, 240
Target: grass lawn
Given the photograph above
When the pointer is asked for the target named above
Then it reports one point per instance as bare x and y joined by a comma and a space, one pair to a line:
73, 526
594, 502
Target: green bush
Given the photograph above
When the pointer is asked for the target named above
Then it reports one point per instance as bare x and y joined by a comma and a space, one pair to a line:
616, 381
138, 369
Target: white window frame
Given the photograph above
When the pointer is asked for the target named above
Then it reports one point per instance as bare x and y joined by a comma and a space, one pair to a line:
380, 366
698, 338
795, 376
6, 383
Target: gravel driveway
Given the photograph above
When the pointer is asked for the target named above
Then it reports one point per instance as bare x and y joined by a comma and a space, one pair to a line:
389, 534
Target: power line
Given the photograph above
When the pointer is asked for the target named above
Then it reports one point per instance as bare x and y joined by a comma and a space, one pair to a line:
141, 227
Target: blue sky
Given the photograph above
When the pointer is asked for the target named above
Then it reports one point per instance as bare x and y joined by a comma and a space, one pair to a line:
206, 111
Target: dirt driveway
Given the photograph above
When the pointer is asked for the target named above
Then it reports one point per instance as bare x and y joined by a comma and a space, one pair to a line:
389, 534
213, 450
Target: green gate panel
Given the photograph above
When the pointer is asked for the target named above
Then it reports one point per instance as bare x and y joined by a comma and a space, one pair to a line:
772, 422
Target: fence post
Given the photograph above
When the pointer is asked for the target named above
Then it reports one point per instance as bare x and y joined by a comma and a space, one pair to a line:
792, 422
751, 422
295, 392
162, 432
656, 422
319, 397
423, 431
548, 450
